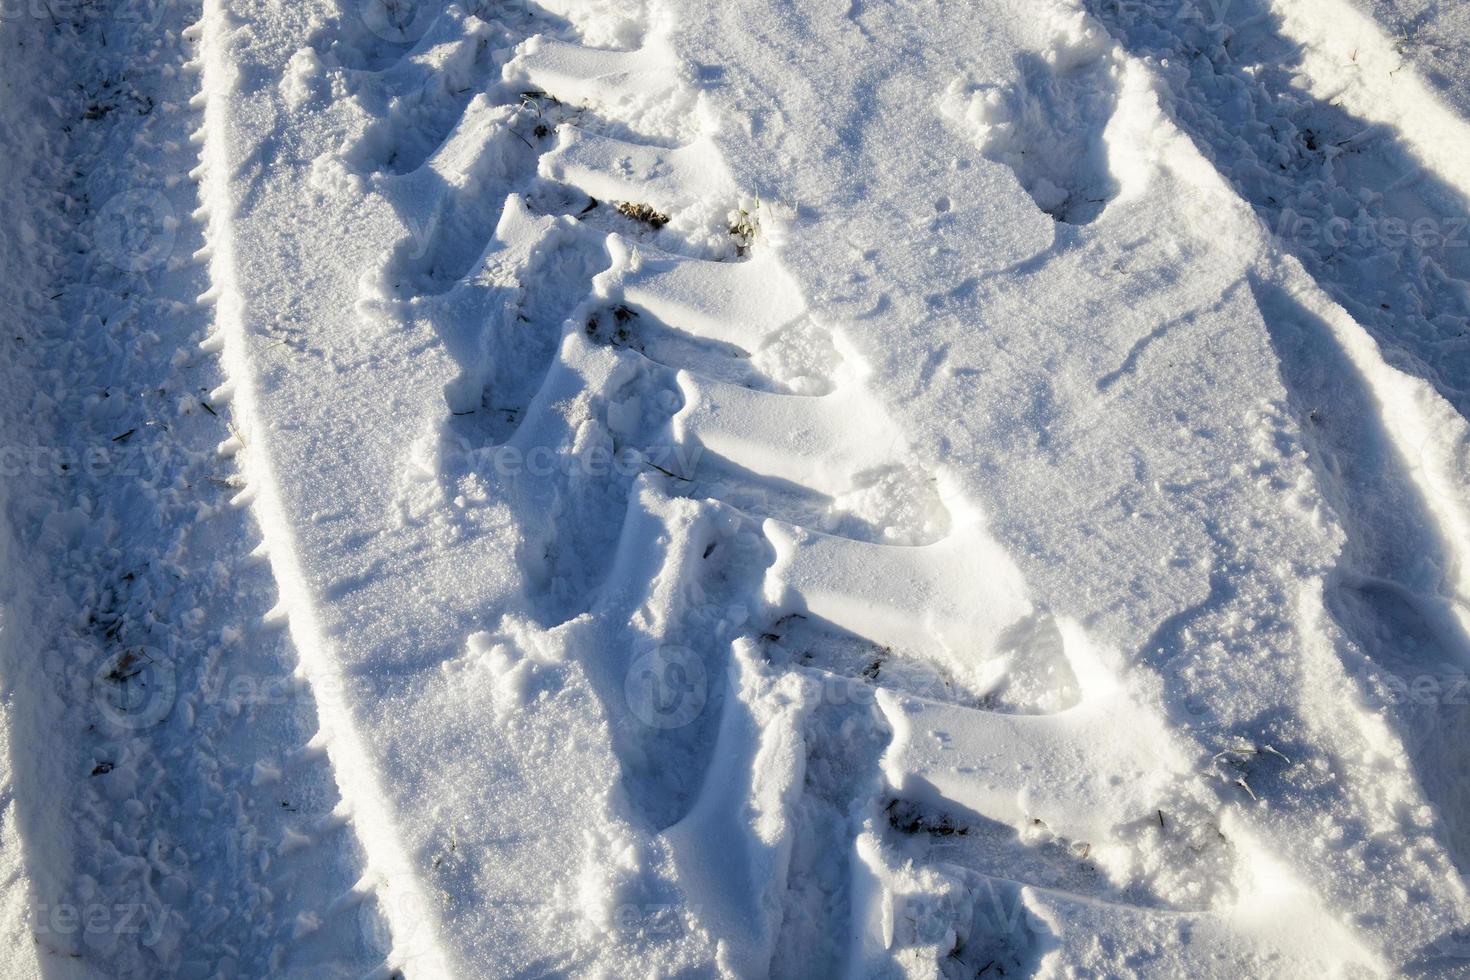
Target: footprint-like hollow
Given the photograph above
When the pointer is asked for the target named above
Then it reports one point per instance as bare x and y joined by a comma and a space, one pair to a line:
1048, 124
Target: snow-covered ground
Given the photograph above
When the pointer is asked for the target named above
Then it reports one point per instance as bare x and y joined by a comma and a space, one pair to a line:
798, 488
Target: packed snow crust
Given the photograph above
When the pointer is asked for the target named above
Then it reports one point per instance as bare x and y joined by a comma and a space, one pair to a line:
800, 489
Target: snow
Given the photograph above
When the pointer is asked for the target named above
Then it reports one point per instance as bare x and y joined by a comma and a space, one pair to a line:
622, 488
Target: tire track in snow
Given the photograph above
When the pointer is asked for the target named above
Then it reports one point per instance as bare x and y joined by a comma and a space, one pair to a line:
810, 443
1376, 214
1382, 231
1389, 596
807, 442
647, 343
531, 900
158, 712
1232, 611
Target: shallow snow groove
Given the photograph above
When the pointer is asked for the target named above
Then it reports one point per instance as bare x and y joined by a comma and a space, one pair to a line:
1378, 218
1388, 596
155, 702
389, 876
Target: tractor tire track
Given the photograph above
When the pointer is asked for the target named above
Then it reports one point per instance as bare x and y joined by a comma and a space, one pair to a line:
171, 814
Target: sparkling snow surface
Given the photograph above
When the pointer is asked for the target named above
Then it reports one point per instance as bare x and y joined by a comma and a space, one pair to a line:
793, 488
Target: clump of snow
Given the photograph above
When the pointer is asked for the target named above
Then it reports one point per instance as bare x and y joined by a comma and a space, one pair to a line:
304, 78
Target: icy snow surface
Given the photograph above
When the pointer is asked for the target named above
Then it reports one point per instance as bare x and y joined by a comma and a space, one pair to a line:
797, 488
